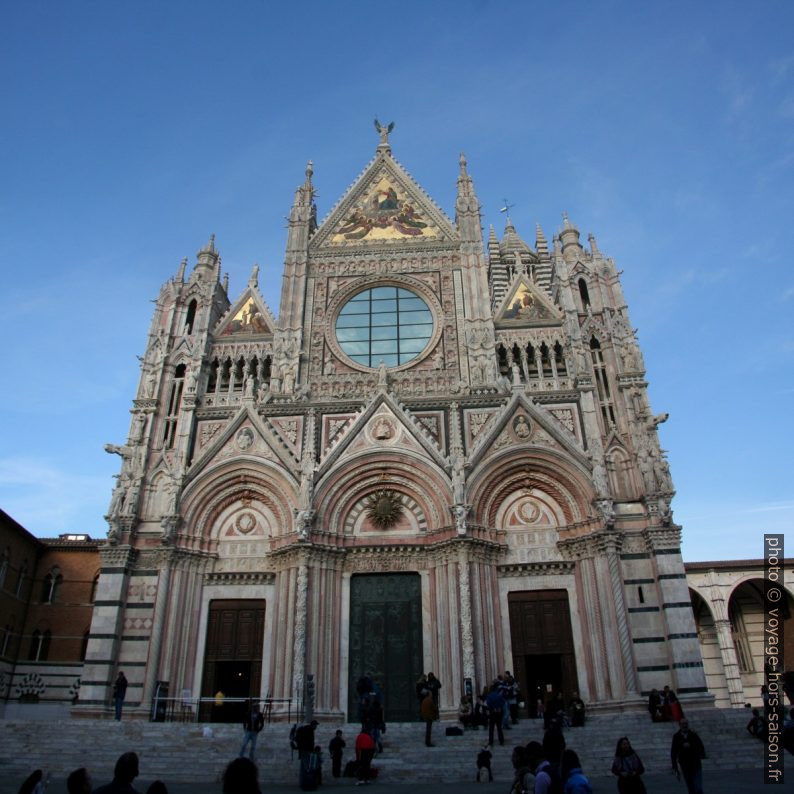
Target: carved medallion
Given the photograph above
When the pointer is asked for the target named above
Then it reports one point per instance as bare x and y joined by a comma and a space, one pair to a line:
245, 438
245, 523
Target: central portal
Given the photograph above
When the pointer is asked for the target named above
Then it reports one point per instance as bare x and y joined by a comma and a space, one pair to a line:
386, 641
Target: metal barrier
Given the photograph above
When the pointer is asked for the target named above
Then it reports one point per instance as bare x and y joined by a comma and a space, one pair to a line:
213, 709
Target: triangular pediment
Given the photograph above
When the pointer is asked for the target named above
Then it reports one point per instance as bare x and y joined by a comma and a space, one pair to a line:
382, 425
524, 423
526, 304
244, 435
248, 316
384, 206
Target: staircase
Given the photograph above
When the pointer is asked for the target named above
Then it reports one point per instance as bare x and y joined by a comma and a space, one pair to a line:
181, 752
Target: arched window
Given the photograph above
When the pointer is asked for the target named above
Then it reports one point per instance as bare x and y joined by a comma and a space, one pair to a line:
5, 557
602, 383
584, 295
174, 404
23, 572
191, 316
45, 646
50, 586
35, 646
5, 639
84, 645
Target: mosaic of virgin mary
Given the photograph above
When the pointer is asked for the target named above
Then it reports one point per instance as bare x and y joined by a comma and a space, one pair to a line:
382, 216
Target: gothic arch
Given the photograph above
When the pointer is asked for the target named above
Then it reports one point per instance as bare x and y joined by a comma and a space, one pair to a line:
620, 472
209, 497
568, 493
423, 488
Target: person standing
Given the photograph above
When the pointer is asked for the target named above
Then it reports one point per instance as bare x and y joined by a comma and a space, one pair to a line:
433, 685
336, 749
495, 703
365, 750
304, 743
429, 714
119, 693
628, 768
686, 753
252, 725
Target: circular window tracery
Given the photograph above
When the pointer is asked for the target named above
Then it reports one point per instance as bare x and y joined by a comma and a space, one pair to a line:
384, 323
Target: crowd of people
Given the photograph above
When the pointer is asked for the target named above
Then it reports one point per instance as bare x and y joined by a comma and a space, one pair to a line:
547, 767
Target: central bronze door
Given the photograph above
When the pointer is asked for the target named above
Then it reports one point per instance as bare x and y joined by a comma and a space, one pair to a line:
386, 641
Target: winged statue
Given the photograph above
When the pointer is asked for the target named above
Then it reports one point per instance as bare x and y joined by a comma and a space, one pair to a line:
384, 131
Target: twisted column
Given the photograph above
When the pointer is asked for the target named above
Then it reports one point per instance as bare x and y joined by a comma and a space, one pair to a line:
466, 632
610, 546
299, 644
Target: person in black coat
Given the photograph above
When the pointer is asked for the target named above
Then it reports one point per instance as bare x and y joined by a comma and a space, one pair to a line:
686, 753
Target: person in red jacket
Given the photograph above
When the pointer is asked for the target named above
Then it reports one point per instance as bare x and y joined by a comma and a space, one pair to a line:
365, 750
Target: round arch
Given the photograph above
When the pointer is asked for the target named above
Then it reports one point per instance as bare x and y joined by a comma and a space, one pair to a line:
541, 471
269, 491
423, 489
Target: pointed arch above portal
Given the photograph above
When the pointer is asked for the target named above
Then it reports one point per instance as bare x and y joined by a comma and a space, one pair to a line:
383, 424
248, 316
385, 206
244, 435
525, 305
524, 423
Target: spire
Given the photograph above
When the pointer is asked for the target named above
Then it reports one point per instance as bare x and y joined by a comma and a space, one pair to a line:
569, 237
541, 246
593, 244
226, 283
467, 207
511, 240
307, 185
253, 281
208, 258
180, 274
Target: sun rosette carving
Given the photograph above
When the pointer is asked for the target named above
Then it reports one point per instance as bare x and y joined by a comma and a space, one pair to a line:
384, 508
344, 294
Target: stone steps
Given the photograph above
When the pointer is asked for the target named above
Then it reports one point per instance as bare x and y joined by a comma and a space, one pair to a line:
180, 751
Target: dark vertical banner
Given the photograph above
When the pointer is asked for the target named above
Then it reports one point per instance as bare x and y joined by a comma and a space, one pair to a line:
774, 665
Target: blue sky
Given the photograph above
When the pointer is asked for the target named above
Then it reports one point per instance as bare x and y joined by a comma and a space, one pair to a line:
132, 131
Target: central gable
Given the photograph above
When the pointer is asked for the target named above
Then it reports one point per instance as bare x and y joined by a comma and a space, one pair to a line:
384, 206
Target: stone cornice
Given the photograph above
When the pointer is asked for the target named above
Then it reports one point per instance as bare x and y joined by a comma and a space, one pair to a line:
242, 577
663, 537
552, 568
117, 556
595, 544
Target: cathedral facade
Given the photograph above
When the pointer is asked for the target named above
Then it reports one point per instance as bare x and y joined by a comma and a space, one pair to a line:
440, 455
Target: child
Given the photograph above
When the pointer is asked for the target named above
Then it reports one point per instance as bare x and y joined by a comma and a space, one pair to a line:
484, 762
335, 749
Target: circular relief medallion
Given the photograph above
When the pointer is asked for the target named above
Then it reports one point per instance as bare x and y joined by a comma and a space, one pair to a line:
521, 427
382, 429
245, 523
245, 438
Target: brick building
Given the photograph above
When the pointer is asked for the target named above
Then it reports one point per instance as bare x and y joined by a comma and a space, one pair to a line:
47, 589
